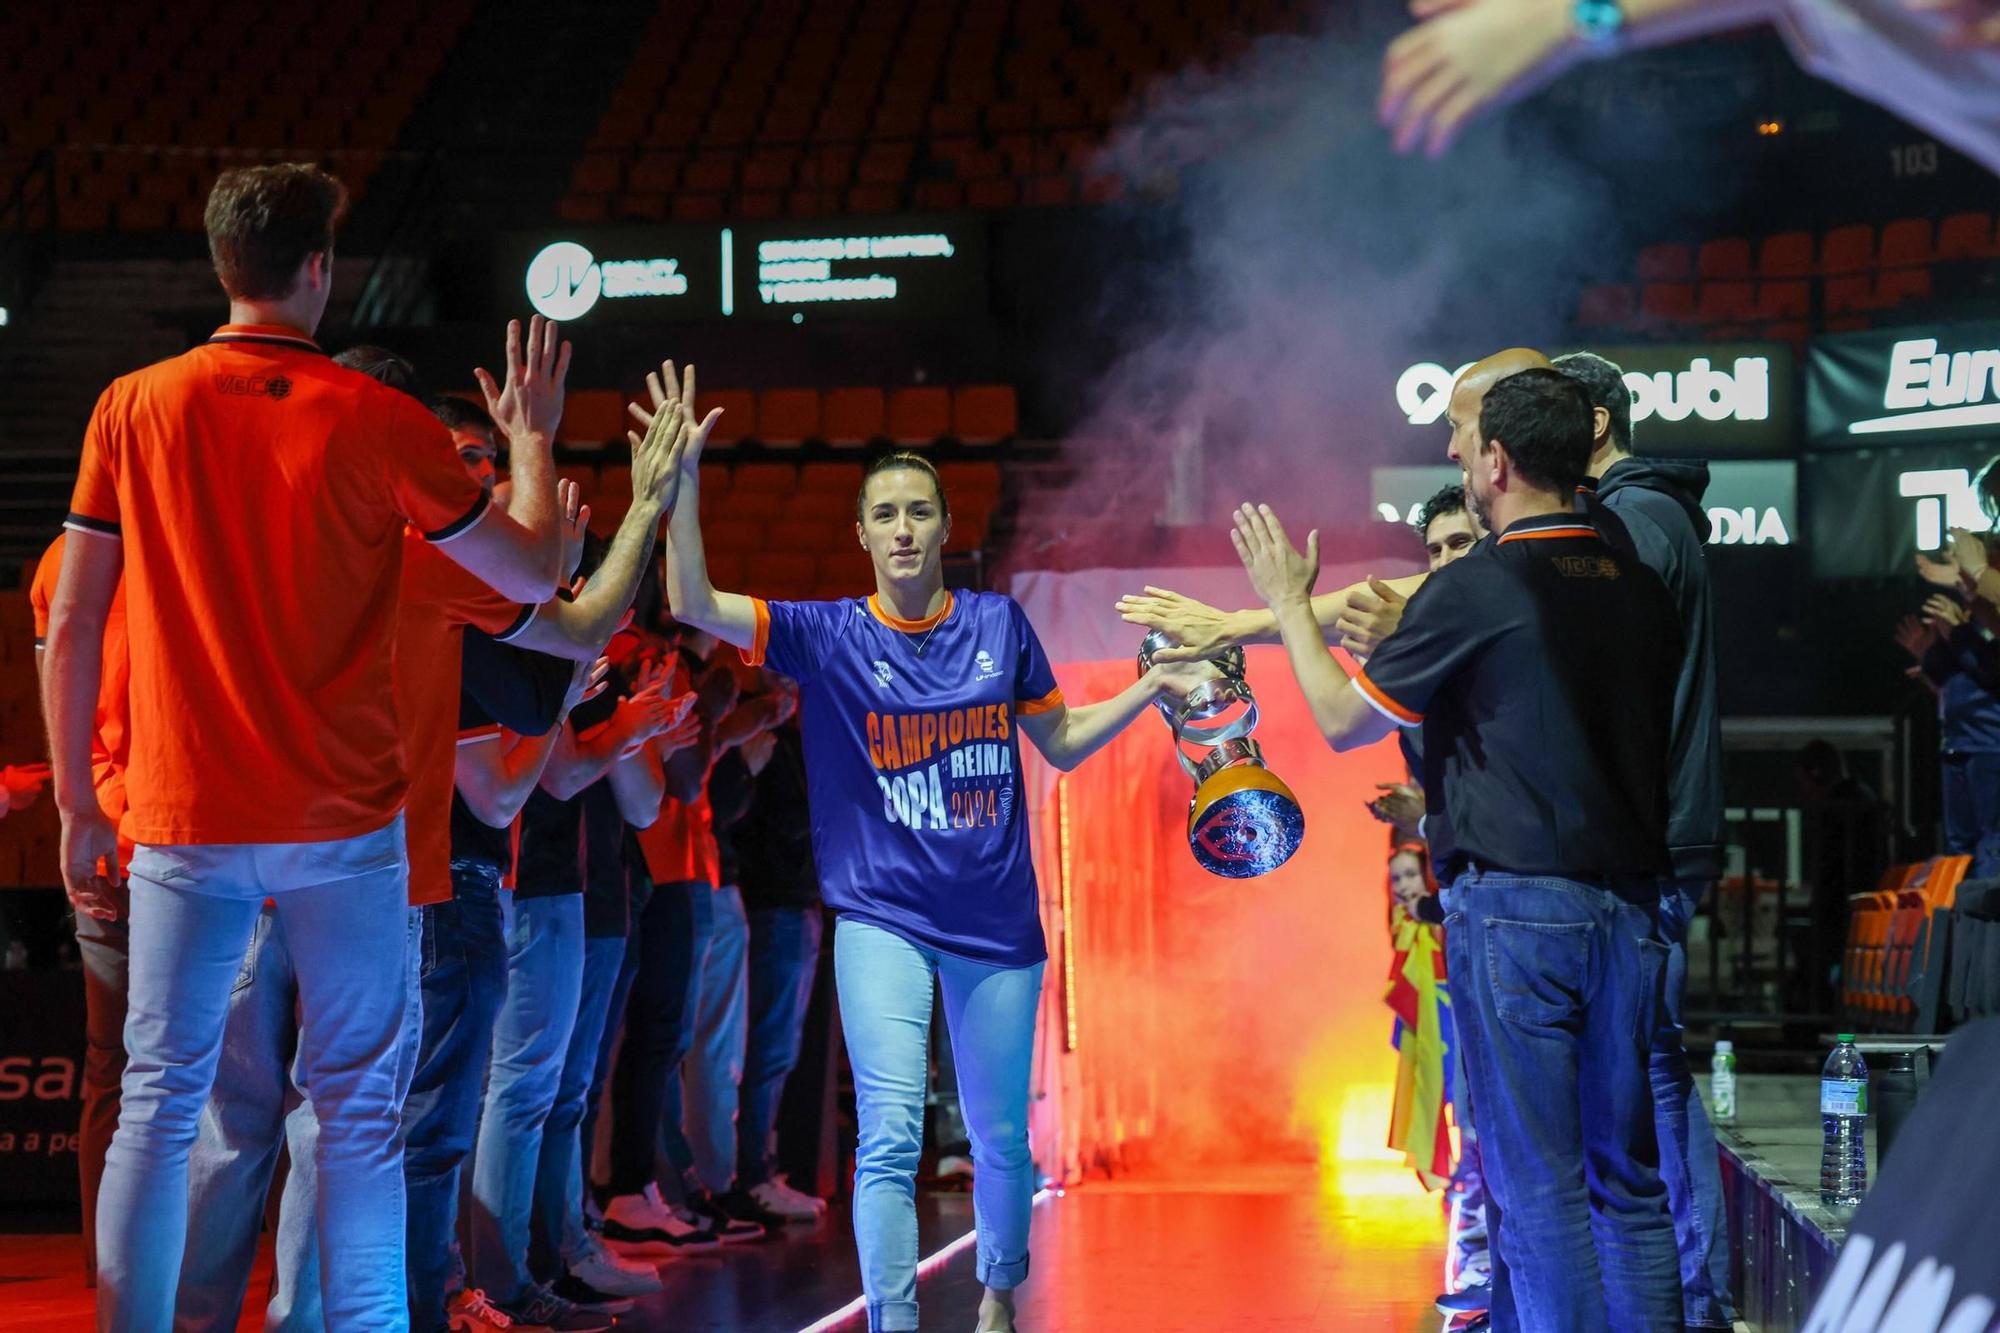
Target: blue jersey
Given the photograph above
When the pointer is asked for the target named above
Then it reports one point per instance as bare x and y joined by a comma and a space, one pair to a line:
913, 765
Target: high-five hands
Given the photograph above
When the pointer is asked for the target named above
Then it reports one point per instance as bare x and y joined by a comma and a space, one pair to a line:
528, 400
667, 393
1279, 572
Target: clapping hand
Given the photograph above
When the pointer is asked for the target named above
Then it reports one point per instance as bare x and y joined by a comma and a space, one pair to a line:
1400, 805
1937, 573
1944, 614
1968, 552
586, 682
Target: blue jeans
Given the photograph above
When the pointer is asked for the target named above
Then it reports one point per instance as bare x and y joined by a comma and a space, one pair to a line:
784, 955
1971, 798
558, 1238
345, 907
463, 958
1688, 1161
530, 1038
663, 956
885, 992
259, 1103
714, 1073
1556, 991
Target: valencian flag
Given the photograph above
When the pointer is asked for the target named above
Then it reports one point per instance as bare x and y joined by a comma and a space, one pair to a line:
1423, 1038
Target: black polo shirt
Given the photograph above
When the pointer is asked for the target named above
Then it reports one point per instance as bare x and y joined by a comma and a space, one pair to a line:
1541, 666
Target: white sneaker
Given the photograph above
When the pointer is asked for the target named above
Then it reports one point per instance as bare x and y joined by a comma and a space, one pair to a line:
643, 1225
471, 1312
605, 1271
777, 1195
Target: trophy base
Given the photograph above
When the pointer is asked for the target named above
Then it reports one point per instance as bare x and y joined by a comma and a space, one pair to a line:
1244, 822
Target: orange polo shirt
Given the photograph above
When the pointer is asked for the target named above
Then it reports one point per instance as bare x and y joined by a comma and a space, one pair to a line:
110, 746
439, 600
261, 493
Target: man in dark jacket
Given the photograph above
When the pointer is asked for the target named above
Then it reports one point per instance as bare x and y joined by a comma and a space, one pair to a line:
1651, 509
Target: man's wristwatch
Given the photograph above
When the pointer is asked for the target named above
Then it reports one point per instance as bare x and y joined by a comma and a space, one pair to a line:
1599, 24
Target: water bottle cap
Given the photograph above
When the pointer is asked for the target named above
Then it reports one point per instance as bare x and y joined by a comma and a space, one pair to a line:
1725, 1045
1843, 1037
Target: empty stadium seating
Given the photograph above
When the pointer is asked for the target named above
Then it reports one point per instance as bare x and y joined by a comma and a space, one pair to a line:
840, 106
1799, 283
142, 107
975, 414
1899, 942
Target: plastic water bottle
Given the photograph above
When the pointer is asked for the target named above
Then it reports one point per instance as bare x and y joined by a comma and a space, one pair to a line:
1722, 1083
1843, 1115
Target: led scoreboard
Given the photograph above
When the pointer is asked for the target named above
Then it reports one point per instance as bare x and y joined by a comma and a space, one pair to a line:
930, 267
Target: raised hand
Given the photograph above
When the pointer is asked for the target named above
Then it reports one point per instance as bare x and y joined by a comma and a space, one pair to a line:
528, 401
587, 681
1277, 569
575, 516
1200, 630
665, 391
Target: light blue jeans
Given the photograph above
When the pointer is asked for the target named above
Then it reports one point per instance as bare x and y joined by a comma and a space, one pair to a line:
530, 1042
262, 1100
345, 909
713, 1074
558, 1239
884, 983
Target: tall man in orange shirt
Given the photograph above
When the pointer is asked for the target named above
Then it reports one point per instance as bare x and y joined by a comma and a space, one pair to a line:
254, 497
237, 1147
101, 942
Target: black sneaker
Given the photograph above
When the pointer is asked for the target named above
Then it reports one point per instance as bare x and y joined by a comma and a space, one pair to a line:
588, 1298
743, 1206
645, 1226
1466, 1300
723, 1225
542, 1308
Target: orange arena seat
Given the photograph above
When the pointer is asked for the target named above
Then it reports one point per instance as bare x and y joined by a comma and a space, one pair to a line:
1967, 236
739, 414
594, 416
853, 416
1848, 249
919, 415
984, 413
787, 416
1786, 255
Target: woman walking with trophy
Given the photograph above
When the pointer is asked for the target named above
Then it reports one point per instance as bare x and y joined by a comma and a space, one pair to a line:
913, 702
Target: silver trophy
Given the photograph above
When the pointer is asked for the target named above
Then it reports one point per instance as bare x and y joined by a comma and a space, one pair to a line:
1243, 820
